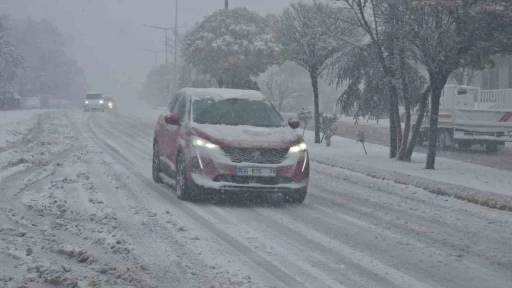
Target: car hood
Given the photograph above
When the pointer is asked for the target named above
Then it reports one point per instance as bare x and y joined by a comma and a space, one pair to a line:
247, 136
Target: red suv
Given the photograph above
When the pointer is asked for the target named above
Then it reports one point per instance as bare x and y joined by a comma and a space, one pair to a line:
229, 141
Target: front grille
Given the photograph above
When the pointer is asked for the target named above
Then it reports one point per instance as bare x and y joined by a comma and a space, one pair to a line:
253, 180
256, 155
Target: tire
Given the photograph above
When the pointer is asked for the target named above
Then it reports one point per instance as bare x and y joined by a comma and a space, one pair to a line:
465, 144
421, 138
442, 138
295, 197
491, 147
155, 163
183, 187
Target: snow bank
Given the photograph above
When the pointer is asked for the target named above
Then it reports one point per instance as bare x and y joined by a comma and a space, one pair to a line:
478, 184
18, 115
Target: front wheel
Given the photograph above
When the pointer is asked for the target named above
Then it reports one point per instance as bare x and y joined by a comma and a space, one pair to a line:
156, 169
465, 144
491, 147
183, 187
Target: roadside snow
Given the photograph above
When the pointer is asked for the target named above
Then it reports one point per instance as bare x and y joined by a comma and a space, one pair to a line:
19, 115
347, 153
55, 226
14, 132
40, 139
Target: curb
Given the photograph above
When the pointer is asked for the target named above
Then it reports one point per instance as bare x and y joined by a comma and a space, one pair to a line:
484, 198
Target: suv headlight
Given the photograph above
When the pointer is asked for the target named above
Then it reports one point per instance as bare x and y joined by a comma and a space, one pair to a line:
200, 142
297, 148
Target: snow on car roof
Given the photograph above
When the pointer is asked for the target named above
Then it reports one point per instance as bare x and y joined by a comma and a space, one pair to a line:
224, 93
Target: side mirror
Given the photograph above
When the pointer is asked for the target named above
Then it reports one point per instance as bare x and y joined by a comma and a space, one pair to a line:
172, 119
293, 123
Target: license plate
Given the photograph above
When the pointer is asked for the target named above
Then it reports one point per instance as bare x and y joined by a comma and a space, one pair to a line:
256, 172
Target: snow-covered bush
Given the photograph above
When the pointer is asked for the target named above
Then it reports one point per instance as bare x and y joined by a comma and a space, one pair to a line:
362, 139
328, 127
305, 116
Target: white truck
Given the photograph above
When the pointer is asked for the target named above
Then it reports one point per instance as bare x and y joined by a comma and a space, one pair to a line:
469, 116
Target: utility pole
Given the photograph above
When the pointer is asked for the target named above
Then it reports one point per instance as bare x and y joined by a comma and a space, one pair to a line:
166, 38
226, 4
155, 53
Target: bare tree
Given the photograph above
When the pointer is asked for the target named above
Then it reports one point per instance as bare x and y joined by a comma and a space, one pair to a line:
275, 86
307, 41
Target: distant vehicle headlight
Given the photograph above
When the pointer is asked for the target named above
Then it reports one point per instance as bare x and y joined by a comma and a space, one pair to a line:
86, 102
298, 148
101, 101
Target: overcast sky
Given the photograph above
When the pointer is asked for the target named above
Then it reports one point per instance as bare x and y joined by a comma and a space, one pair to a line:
108, 34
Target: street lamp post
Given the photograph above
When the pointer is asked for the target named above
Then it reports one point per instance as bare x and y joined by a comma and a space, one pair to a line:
226, 4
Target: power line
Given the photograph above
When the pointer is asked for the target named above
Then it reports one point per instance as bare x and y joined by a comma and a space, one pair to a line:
165, 29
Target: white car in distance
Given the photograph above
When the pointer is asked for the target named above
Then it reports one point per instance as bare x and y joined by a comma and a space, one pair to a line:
94, 102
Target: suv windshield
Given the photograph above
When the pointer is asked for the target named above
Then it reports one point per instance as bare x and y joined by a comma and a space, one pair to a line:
93, 96
234, 112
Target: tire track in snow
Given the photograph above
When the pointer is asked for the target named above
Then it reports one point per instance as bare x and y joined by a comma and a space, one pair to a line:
462, 249
275, 252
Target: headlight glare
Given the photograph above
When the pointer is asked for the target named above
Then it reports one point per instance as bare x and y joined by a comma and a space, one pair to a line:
86, 102
200, 142
297, 148
101, 101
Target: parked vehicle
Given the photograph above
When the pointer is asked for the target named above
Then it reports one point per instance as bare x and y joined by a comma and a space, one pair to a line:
94, 102
9, 100
469, 116
224, 140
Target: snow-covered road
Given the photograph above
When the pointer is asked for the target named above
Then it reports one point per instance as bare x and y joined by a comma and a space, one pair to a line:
81, 209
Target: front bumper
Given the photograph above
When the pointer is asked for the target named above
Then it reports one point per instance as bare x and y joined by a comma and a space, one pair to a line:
94, 107
217, 172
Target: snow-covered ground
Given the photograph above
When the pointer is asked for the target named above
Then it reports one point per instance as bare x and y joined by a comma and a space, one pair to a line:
17, 126
89, 215
345, 151
10, 116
